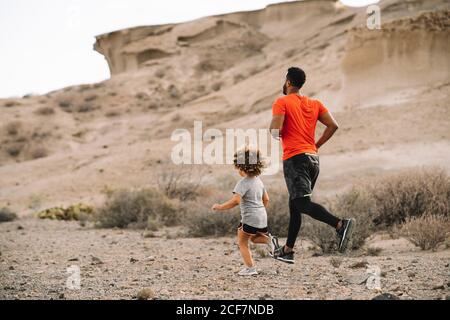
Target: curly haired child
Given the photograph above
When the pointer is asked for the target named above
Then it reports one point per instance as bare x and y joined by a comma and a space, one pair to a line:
253, 199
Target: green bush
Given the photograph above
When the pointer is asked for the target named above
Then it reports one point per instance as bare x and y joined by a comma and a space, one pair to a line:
137, 209
77, 212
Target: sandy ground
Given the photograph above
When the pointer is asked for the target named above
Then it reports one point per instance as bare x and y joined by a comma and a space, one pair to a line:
117, 264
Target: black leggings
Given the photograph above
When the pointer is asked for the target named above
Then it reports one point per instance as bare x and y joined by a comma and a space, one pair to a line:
305, 205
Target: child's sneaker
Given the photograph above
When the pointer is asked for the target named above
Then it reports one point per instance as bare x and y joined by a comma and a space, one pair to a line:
273, 245
248, 271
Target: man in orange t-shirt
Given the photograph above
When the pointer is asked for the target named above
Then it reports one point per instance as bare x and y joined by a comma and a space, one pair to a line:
294, 119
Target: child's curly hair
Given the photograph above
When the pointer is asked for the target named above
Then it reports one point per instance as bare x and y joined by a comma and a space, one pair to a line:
249, 160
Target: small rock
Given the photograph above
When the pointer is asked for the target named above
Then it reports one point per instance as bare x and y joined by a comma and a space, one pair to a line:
61, 296
96, 261
357, 279
439, 287
11, 268
148, 234
411, 274
359, 264
133, 260
145, 294
150, 258
19, 227
399, 268
73, 259
386, 296
165, 267
265, 296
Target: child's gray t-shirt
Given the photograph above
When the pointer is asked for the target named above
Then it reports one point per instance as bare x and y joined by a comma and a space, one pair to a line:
253, 211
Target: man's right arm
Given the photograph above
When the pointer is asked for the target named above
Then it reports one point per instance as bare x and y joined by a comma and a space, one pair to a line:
331, 124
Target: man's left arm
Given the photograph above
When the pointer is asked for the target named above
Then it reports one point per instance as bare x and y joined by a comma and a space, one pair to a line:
276, 125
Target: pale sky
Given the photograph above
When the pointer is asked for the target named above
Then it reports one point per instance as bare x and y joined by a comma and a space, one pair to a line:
48, 44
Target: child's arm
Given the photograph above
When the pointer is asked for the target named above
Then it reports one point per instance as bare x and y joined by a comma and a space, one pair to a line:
233, 202
265, 199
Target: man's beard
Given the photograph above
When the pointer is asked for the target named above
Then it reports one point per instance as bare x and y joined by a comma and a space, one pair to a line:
284, 89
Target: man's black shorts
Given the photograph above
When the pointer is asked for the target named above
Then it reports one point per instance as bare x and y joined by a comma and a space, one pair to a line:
300, 173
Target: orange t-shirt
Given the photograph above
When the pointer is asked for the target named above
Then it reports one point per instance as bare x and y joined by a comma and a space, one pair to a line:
300, 118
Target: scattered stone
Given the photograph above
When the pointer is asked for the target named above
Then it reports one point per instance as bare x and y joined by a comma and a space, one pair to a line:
411, 274
386, 296
150, 258
61, 296
96, 261
133, 260
145, 294
357, 279
19, 227
439, 287
73, 259
265, 296
11, 268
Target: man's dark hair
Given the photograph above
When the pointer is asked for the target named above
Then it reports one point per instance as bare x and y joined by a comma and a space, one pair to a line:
296, 76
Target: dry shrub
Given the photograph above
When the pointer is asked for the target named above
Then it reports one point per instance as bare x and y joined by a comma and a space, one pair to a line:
427, 231
137, 209
91, 97
180, 182
13, 128
112, 113
216, 86
278, 213
15, 149
373, 251
409, 194
385, 203
45, 111
38, 152
203, 222
321, 234
7, 215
